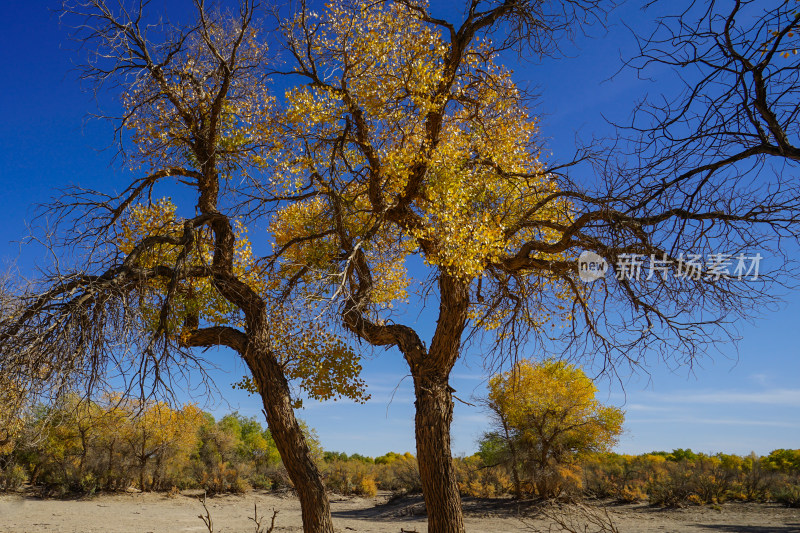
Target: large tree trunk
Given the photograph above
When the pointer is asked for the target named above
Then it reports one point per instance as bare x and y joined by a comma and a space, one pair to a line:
254, 347
439, 486
435, 409
434, 400
290, 441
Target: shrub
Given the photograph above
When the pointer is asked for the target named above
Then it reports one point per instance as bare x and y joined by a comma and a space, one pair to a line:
789, 496
781, 460
672, 488
631, 494
475, 479
367, 487
398, 473
339, 477
12, 477
353, 476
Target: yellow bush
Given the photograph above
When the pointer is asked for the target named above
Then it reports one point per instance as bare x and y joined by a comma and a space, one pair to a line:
631, 494
695, 499
367, 487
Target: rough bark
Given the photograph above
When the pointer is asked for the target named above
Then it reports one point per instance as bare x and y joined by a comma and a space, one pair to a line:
434, 406
514, 457
289, 438
273, 387
432, 426
430, 370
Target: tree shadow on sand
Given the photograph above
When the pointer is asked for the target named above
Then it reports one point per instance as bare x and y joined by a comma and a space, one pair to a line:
413, 506
397, 508
736, 528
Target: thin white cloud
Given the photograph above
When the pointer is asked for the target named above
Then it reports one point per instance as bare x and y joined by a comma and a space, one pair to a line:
481, 419
714, 421
781, 397
647, 408
761, 379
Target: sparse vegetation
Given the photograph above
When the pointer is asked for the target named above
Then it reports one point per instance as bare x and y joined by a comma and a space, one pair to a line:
683, 477
85, 447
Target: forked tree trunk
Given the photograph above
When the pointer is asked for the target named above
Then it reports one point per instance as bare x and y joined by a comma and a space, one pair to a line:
290, 441
439, 485
434, 399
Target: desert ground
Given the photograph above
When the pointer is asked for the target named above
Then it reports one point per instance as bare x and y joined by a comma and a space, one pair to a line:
156, 513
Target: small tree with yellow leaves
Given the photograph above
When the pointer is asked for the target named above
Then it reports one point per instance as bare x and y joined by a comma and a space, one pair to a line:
547, 418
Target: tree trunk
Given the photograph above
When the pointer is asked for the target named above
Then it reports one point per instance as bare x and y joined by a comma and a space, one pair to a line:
84, 452
290, 441
156, 485
268, 374
434, 402
142, 467
110, 469
514, 457
439, 486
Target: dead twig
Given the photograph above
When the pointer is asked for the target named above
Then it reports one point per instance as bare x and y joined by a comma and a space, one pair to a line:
207, 518
257, 519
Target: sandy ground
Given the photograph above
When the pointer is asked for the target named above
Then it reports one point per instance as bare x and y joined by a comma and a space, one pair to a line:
156, 513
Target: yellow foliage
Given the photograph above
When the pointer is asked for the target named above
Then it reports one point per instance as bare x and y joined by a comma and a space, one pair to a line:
482, 172
12, 418
194, 295
475, 479
161, 129
324, 366
555, 399
548, 414
367, 487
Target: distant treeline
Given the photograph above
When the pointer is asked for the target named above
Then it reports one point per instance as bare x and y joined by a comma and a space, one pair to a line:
83, 447
685, 477
114, 445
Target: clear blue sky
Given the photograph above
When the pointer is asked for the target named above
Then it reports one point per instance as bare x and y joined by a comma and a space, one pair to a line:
749, 400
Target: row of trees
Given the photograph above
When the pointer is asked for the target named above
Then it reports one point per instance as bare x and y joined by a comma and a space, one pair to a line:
108, 446
683, 477
402, 134
114, 445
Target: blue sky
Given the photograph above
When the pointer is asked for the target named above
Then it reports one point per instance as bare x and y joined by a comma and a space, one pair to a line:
741, 401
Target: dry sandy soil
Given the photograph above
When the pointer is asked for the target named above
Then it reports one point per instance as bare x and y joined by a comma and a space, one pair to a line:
156, 513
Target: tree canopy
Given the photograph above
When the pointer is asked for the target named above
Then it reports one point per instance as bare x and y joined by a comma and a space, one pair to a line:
547, 417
